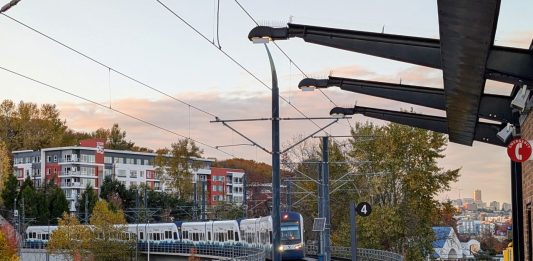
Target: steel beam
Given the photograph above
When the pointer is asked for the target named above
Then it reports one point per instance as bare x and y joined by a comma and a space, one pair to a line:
492, 107
485, 132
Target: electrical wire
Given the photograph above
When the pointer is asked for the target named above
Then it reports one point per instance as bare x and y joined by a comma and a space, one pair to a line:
112, 109
287, 56
233, 60
110, 68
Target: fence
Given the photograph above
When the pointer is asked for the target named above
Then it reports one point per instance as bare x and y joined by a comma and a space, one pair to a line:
215, 251
223, 252
363, 254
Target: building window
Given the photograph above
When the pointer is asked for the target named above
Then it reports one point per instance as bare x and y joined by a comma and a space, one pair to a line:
55, 158
138, 162
133, 174
141, 173
121, 173
87, 158
108, 160
48, 158
146, 162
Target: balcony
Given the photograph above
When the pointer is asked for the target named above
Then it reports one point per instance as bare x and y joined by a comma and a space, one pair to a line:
77, 174
71, 184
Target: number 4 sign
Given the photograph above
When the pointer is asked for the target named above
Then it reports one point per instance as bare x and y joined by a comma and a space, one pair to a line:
364, 209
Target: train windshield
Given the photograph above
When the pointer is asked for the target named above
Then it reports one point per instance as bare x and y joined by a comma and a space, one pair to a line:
290, 231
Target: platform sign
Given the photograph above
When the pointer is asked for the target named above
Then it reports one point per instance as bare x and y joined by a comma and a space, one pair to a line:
364, 209
319, 224
519, 150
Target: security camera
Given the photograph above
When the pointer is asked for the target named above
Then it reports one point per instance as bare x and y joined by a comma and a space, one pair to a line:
506, 133
521, 100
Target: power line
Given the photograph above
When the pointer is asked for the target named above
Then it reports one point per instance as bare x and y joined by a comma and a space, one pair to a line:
108, 67
112, 109
287, 56
233, 59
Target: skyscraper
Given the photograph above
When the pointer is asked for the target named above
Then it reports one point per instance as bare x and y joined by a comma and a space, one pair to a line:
477, 196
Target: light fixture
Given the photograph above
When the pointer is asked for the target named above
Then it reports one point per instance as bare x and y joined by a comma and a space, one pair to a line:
310, 84
261, 40
521, 100
307, 88
339, 112
506, 133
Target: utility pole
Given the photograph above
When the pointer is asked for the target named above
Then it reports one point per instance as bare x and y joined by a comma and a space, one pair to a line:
276, 218
325, 196
289, 200
194, 196
353, 231
203, 200
86, 208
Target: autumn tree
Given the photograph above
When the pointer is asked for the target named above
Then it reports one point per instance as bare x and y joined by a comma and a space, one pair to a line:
5, 165
70, 238
177, 163
403, 194
8, 243
109, 229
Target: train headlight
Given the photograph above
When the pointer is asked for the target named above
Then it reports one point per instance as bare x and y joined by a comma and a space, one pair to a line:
280, 248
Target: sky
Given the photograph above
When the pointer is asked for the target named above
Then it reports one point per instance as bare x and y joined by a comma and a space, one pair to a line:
143, 40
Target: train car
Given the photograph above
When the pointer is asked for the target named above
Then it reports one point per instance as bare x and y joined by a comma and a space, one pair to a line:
250, 231
258, 231
219, 232
157, 233
38, 236
292, 236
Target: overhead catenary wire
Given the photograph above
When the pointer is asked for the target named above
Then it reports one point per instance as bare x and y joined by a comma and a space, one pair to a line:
233, 59
288, 57
113, 109
110, 68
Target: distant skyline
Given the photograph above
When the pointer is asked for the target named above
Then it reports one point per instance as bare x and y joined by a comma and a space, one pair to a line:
145, 41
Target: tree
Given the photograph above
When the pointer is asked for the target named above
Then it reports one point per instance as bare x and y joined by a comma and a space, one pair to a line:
5, 165
8, 243
110, 186
57, 204
91, 197
403, 196
177, 163
109, 228
9, 192
70, 238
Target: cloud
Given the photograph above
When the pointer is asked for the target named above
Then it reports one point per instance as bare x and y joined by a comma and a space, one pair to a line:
482, 166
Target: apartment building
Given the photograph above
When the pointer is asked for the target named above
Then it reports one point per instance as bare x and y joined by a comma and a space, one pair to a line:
74, 167
226, 185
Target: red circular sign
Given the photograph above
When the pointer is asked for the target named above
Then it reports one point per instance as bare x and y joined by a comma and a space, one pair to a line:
519, 150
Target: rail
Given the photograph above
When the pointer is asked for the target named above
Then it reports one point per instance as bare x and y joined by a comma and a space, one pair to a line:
237, 252
363, 254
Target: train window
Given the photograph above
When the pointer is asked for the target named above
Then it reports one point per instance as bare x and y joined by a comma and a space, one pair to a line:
230, 235
141, 235
34, 235
236, 236
270, 234
209, 236
158, 237
175, 236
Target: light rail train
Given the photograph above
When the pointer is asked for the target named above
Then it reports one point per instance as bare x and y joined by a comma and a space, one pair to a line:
254, 232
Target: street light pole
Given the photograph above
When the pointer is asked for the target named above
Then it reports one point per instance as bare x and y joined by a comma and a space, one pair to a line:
276, 218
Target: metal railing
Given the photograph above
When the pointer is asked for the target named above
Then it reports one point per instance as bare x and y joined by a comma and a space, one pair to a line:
238, 252
221, 252
363, 254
